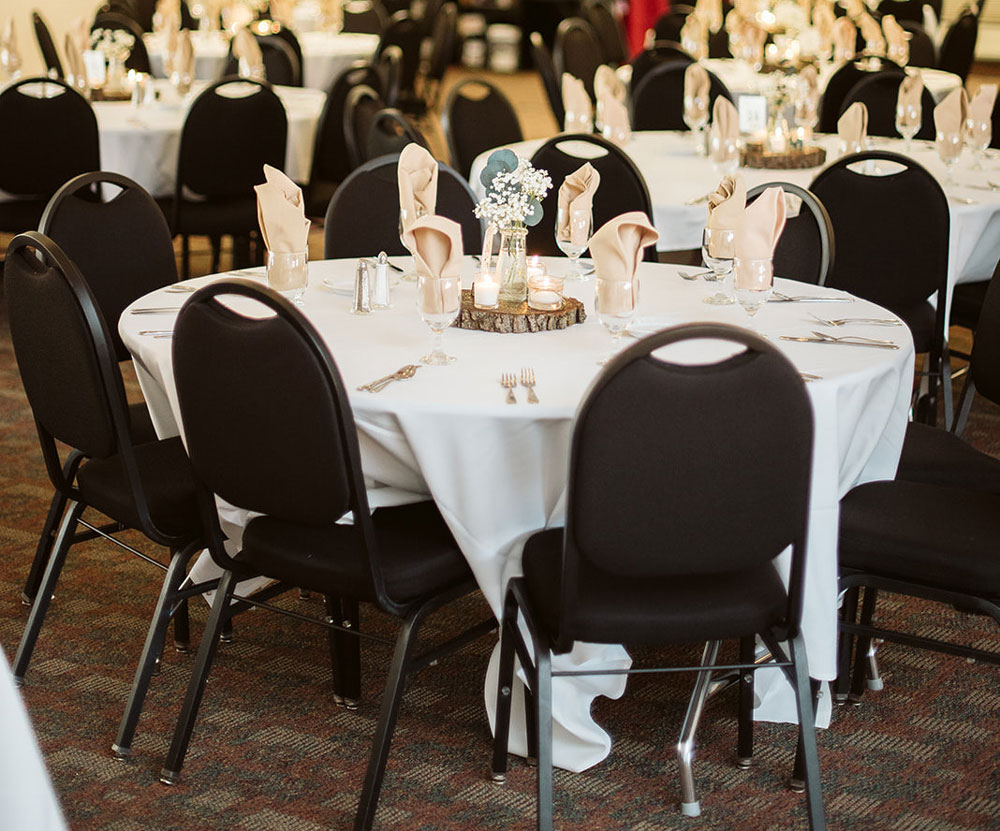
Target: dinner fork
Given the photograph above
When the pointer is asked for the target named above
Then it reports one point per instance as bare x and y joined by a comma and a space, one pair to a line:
508, 380
871, 321
528, 380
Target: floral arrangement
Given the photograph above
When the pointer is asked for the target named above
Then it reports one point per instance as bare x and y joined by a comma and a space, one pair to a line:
114, 44
514, 190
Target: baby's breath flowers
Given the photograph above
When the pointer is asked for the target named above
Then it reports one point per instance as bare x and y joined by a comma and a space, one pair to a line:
114, 44
514, 190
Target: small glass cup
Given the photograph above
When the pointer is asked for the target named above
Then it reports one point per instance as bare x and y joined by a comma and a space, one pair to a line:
717, 251
949, 148
696, 118
754, 281
288, 273
438, 301
724, 151
573, 236
849, 148
806, 112
615, 302
908, 118
545, 293
978, 134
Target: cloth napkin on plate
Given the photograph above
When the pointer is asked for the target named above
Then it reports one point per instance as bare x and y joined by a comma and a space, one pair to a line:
763, 222
576, 103
852, 127
77, 72
617, 251
246, 48
694, 37
576, 193
417, 178
436, 243
981, 105
725, 125
872, 33
727, 204
615, 125
845, 37
281, 213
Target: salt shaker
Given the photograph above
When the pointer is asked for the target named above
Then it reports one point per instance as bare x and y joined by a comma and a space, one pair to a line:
380, 295
362, 290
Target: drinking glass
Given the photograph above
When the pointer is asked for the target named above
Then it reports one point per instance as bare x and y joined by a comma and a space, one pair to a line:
288, 273
754, 281
406, 218
978, 134
949, 148
614, 302
696, 117
717, 247
908, 118
806, 111
579, 227
438, 301
725, 154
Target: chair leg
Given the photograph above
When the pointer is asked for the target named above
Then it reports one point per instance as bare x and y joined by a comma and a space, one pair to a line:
345, 653
505, 684
216, 243
861, 646
182, 627
44, 595
543, 727
872, 675
196, 687
849, 614
805, 697
530, 726
185, 256
151, 650
744, 742
945, 377
690, 806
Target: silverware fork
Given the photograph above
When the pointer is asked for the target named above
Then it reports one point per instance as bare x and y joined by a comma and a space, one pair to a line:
853, 339
508, 380
528, 380
871, 321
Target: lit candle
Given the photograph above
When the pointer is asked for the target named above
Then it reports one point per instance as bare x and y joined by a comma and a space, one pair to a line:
485, 292
545, 292
535, 267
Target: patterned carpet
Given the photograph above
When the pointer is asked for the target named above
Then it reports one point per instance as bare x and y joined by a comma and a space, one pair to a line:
272, 751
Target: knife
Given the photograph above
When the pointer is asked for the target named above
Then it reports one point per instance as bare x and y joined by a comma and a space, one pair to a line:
841, 342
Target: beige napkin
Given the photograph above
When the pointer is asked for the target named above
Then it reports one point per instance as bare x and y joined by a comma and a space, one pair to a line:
911, 89
615, 124
616, 248
281, 213
167, 15
694, 37
896, 39
823, 19
763, 222
282, 10
246, 48
75, 65
696, 85
183, 62
950, 115
727, 204
417, 178
79, 30
576, 102
608, 84
852, 127
811, 78
981, 106
576, 193
845, 37
872, 33
710, 12
436, 243
725, 125
8, 44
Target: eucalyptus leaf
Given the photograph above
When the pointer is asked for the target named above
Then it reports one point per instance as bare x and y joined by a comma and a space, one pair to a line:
534, 214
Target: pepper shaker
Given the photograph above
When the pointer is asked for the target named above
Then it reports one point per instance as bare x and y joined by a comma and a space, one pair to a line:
380, 295
362, 290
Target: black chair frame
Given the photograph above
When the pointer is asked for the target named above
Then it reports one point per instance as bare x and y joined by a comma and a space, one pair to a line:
493, 115
542, 59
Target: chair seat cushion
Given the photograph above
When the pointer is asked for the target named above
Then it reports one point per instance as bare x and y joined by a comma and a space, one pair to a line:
166, 476
613, 609
418, 553
920, 533
937, 457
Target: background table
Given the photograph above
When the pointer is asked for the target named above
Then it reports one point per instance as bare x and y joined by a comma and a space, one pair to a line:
498, 472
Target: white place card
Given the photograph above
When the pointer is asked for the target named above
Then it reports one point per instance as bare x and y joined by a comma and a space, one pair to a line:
93, 65
753, 113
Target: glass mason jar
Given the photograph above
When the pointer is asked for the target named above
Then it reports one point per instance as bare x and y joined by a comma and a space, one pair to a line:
512, 265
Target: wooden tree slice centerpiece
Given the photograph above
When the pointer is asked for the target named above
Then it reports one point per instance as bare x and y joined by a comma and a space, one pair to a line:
516, 318
754, 155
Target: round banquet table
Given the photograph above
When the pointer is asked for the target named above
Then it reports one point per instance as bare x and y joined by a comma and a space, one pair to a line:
498, 472
324, 54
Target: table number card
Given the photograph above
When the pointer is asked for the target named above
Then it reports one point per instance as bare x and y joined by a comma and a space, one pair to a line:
753, 113
93, 65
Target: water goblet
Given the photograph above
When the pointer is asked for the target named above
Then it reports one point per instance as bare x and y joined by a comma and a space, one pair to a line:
806, 111
717, 248
908, 118
573, 230
614, 302
978, 134
949, 148
724, 152
407, 216
438, 301
696, 118
288, 273
754, 282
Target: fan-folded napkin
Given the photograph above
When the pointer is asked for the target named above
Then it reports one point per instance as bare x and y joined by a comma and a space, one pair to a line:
950, 114
617, 251
895, 35
727, 203
852, 126
436, 243
725, 127
694, 37
576, 193
872, 33
8, 42
763, 222
615, 124
576, 101
981, 105
911, 89
417, 177
845, 37
607, 84
75, 65
281, 213
246, 48
710, 11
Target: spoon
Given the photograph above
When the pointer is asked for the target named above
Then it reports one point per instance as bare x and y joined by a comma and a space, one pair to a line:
400, 374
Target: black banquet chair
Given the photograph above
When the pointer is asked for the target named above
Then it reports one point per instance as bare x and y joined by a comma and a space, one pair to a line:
402, 560
282, 66
577, 51
923, 51
363, 17
659, 52
138, 58
840, 84
622, 186
658, 101
654, 565
362, 105
407, 33
363, 217
806, 248
391, 130
50, 55
74, 386
601, 16
49, 136
477, 116
233, 128
541, 58
879, 94
958, 48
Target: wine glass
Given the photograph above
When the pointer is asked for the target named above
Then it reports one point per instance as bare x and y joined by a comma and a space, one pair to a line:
806, 111
696, 117
908, 118
949, 148
614, 302
725, 154
978, 134
573, 230
439, 300
407, 216
717, 247
288, 273
754, 281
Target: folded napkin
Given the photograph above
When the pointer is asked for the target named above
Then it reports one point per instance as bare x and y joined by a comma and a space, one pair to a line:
182, 63
710, 12
616, 248
615, 124
8, 46
167, 11
417, 178
855, 8
608, 84
981, 106
436, 243
852, 127
897, 41
911, 90
696, 89
576, 103
281, 213
872, 33
76, 71
694, 37
727, 204
247, 52
763, 222
282, 11
576, 193
725, 127
950, 114
845, 38
823, 19
79, 30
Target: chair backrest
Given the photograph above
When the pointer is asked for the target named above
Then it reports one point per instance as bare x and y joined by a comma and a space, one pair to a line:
389, 68
363, 103
542, 59
390, 132
53, 66
138, 58
985, 363
407, 33
718, 44
444, 35
840, 84
601, 16
622, 186
877, 219
119, 241
879, 94
288, 36
805, 250
282, 66
577, 51
49, 135
648, 519
658, 101
902, 10
263, 368
923, 52
363, 217
668, 25
233, 128
959, 45
475, 123
660, 52
364, 17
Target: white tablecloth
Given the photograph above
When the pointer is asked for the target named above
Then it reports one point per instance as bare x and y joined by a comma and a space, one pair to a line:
324, 54
143, 142
498, 472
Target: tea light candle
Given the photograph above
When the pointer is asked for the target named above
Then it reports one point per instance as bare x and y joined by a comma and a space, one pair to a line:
545, 292
535, 267
485, 292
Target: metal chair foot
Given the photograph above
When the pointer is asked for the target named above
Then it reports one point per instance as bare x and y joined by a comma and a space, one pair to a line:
169, 777
182, 648
797, 785
691, 809
743, 762
119, 753
498, 778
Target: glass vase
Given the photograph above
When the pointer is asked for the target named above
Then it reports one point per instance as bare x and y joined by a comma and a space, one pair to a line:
512, 265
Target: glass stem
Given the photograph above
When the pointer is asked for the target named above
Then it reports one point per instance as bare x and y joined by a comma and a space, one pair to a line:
437, 342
